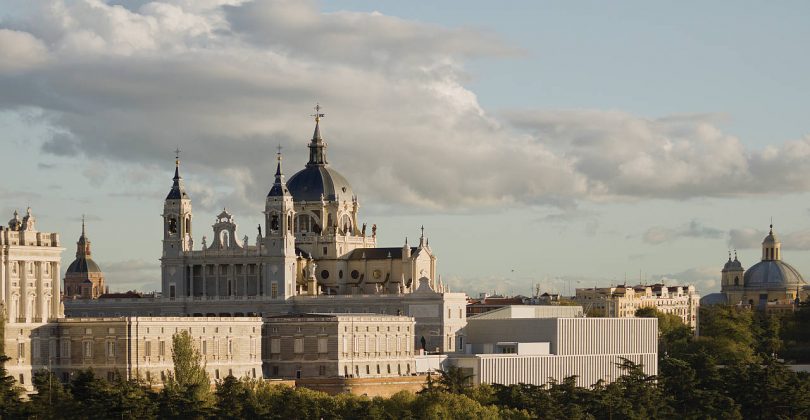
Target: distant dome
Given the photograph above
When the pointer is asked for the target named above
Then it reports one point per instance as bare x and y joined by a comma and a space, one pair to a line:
82, 266
772, 273
314, 180
714, 299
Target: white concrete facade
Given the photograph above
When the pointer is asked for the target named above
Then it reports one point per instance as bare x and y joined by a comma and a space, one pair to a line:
508, 350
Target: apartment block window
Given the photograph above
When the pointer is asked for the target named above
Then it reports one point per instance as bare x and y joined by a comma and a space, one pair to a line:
147, 349
205, 347
275, 370
162, 348
322, 344
20, 350
322, 370
230, 347
273, 290
275, 345
111, 349
216, 373
299, 345
88, 349
110, 376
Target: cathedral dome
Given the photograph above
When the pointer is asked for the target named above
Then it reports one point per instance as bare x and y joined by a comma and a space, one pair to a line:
316, 180
772, 273
83, 265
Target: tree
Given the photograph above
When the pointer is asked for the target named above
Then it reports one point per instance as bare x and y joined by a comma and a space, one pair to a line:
454, 380
727, 333
634, 395
673, 335
10, 392
132, 399
187, 391
52, 399
232, 395
93, 396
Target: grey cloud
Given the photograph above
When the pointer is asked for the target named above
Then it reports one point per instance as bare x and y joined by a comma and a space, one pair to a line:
132, 275
750, 238
61, 144
705, 279
128, 85
694, 229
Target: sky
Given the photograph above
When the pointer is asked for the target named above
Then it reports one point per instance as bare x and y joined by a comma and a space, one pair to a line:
563, 144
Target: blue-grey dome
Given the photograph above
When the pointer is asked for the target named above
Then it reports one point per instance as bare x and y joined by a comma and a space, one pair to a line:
314, 180
772, 273
714, 299
83, 265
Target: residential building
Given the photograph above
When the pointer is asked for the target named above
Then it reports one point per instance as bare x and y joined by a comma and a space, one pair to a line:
623, 301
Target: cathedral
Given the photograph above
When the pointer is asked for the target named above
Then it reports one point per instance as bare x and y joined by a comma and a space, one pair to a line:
771, 285
312, 243
312, 254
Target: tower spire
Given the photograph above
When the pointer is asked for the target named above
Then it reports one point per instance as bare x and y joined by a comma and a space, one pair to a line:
280, 185
83, 245
317, 147
178, 190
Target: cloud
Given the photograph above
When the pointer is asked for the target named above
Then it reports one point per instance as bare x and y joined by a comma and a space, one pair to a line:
750, 238
622, 155
695, 229
131, 275
21, 52
705, 279
229, 80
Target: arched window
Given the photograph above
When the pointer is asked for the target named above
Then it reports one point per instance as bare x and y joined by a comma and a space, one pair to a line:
303, 223
223, 238
736, 280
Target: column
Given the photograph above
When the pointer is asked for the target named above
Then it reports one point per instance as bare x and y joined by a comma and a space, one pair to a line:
204, 286
22, 305
40, 295
216, 279
244, 279
56, 291
203, 268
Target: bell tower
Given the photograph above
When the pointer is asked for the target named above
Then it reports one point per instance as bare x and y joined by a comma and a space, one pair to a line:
176, 235
278, 253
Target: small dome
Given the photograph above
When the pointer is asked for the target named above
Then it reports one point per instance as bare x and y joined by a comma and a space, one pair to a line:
316, 180
714, 299
772, 273
83, 266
